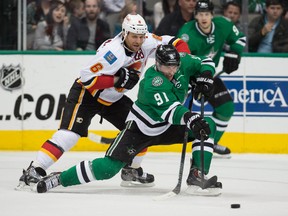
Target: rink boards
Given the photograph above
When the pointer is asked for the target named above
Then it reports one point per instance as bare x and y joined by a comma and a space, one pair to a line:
34, 88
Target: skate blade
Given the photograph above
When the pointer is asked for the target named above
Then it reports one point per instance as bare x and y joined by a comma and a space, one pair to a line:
197, 191
22, 187
219, 156
136, 184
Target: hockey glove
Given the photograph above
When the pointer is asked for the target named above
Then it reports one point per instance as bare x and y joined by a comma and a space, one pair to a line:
197, 124
127, 78
204, 85
230, 62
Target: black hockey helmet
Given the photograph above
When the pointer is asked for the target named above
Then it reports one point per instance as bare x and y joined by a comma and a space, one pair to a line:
167, 55
204, 6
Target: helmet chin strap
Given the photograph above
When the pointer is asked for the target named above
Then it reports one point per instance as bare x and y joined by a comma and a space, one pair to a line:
124, 44
125, 47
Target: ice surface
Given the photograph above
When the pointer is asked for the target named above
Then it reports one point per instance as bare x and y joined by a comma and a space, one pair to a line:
259, 182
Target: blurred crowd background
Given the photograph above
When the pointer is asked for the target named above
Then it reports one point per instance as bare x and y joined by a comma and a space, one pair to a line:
85, 24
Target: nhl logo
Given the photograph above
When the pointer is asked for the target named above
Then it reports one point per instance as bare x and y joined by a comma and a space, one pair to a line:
11, 77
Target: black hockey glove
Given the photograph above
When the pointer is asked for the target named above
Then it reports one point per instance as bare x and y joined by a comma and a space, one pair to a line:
197, 124
127, 78
204, 85
230, 62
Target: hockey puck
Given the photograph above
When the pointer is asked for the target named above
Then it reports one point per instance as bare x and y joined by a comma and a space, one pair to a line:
235, 205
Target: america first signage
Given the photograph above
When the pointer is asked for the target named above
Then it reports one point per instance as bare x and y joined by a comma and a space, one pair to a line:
258, 95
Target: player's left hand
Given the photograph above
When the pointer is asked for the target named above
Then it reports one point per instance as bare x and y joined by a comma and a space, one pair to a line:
231, 62
204, 85
198, 125
127, 78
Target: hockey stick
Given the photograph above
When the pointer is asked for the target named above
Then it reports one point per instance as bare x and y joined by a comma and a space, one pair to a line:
177, 189
99, 139
219, 73
202, 133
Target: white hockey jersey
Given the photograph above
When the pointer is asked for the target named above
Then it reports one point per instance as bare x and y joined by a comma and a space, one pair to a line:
111, 56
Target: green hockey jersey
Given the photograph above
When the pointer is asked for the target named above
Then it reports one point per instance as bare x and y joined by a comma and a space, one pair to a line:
222, 32
159, 101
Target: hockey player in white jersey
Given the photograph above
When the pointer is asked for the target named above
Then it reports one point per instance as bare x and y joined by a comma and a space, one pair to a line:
113, 70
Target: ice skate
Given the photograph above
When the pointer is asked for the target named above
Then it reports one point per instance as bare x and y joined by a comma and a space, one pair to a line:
136, 178
30, 177
221, 151
209, 186
47, 183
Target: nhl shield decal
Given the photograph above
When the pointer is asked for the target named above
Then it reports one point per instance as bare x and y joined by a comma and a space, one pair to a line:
11, 77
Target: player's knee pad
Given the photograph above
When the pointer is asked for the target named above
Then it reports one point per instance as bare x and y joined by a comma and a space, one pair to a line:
212, 126
65, 139
106, 168
225, 111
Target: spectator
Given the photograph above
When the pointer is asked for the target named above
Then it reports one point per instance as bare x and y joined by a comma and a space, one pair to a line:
233, 10
89, 32
77, 10
36, 11
8, 23
285, 10
268, 33
129, 8
112, 11
51, 33
171, 23
163, 8
254, 6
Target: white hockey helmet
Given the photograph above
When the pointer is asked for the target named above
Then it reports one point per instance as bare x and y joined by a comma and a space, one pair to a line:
135, 24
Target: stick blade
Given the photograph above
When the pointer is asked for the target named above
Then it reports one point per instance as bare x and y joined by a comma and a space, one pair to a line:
99, 139
94, 137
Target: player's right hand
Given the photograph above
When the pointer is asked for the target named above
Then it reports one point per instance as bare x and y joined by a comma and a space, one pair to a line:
127, 78
231, 62
197, 124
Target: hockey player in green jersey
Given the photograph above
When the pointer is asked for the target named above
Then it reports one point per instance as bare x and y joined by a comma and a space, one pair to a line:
157, 118
206, 36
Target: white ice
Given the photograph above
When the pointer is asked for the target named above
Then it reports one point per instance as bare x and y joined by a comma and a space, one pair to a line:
259, 182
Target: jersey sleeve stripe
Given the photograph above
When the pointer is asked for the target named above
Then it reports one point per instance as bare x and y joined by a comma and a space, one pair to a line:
165, 115
241, 41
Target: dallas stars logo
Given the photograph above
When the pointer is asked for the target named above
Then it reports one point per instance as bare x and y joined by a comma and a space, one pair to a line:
210, 39
157, 81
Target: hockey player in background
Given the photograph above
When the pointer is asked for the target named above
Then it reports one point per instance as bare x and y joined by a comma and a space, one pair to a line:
157, 118
100, 90
206, 36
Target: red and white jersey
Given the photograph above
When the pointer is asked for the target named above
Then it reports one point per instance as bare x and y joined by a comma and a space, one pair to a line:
111, 56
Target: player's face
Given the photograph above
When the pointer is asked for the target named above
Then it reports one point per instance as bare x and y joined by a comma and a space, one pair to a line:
232, 13
59, 13
134, 41
204, 20
168, 71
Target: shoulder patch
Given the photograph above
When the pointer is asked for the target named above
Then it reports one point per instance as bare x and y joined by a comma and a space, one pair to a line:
110, 57
185, 37
157, 81
157, 37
